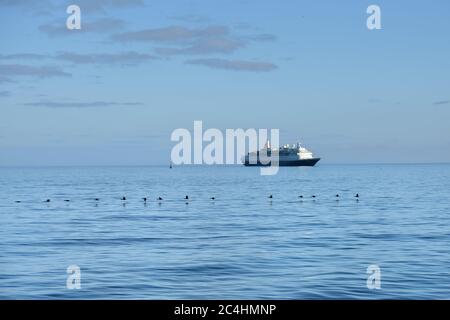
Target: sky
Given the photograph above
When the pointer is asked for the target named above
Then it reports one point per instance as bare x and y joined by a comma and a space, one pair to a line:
113, 92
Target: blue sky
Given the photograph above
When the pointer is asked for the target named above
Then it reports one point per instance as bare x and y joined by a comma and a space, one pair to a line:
112, 93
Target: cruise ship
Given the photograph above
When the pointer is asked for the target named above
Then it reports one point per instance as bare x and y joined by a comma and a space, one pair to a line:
289, 156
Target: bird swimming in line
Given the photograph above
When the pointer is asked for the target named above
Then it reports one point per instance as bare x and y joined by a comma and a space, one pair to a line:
159, 198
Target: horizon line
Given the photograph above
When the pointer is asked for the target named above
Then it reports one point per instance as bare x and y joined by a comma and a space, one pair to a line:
212, 165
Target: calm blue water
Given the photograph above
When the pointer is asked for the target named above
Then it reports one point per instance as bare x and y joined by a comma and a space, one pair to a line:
240, 246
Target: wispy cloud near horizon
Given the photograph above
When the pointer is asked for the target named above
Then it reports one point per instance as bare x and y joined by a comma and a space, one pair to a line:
192, 18
442, 102
89, 104
235, 65
205, 46
22, 56
122, 58
15, 70
171, 34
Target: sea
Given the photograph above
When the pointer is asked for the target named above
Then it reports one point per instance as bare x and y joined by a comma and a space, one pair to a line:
304, 242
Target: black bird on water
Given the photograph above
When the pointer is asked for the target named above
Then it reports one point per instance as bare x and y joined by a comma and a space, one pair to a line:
124, 198
17, 201
357, 195
48, 200
186, 198
313, 196
337, 197
96, 199
66, 200
213, 198
159, 198
270, 197
300, 196
145, 199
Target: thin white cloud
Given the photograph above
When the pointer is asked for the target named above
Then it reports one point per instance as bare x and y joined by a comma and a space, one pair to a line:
123, 58
442, 102
261, 37
22, 56
234, 65
205, 46
15, 70
5, 80
193, 18
171, 34
180, 40
90, 104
